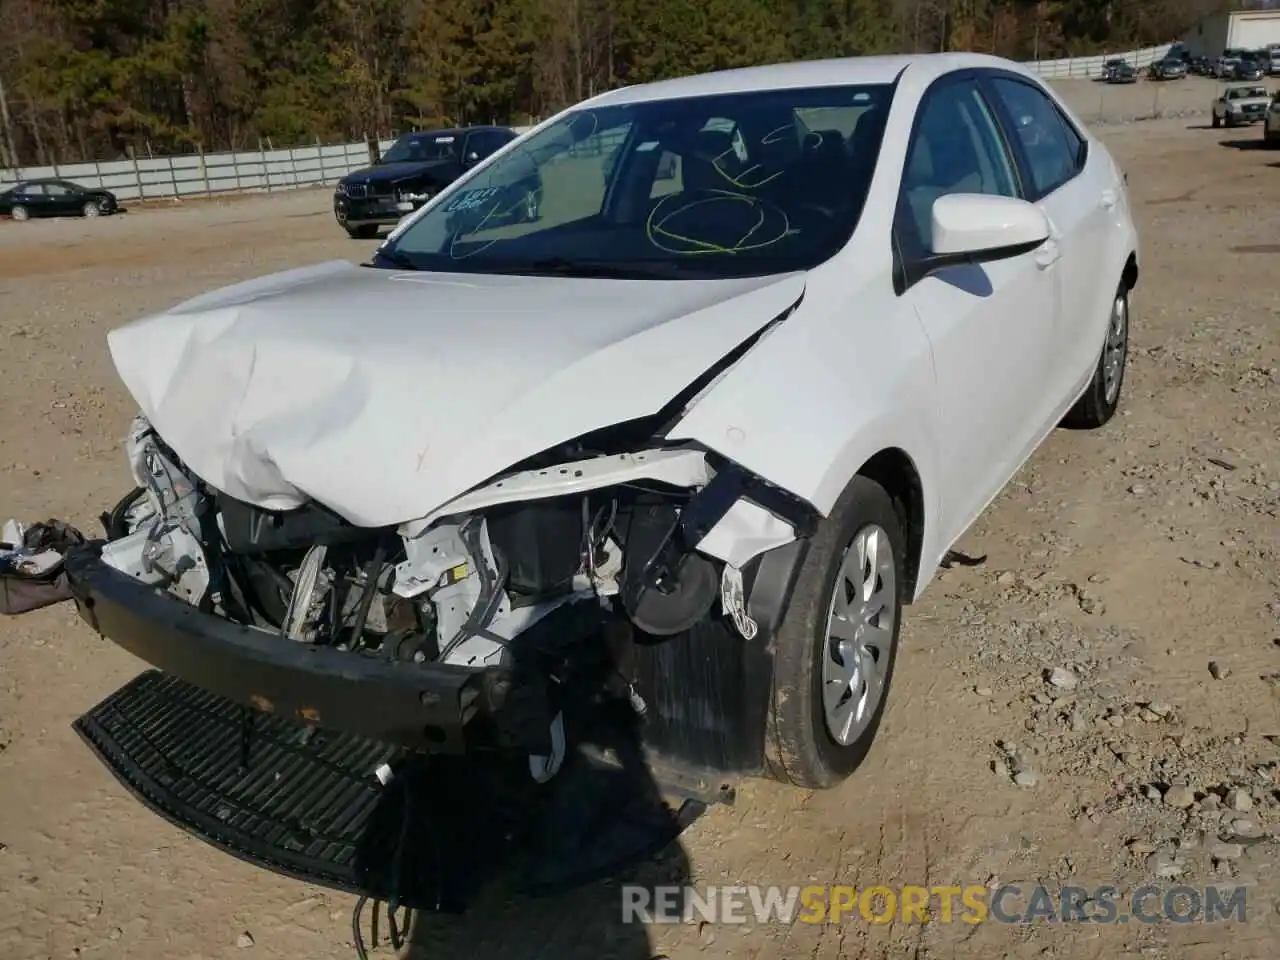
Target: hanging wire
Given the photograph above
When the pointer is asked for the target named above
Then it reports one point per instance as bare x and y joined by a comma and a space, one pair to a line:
397, 933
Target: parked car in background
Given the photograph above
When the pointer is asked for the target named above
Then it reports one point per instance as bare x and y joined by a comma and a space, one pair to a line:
1249, 68
1170, 68
1122, 72
1224, 68
1243, 103
56, 198
1271, 125
414, 169
1201, 66
1110, 67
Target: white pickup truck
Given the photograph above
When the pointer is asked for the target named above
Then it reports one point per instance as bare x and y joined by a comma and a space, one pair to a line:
1242, 103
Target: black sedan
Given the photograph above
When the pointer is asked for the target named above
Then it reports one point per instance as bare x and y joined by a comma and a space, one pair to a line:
1120, 72
56, 198
1170, 68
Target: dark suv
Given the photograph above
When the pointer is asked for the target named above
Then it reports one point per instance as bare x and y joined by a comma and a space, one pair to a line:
415, 168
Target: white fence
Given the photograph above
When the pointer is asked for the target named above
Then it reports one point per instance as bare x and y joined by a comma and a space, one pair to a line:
210, 174
1090, 67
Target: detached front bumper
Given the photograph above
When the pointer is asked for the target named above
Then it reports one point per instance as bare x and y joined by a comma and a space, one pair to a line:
424, 706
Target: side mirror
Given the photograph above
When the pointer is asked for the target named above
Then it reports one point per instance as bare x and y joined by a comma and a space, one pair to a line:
471, 158
970, 228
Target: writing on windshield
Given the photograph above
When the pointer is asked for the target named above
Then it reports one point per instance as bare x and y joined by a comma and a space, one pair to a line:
725, 185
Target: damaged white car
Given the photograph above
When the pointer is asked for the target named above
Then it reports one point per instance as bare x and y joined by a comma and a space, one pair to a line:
681, 447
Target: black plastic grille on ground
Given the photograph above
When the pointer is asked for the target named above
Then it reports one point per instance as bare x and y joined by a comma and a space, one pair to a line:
303, 805
307, 803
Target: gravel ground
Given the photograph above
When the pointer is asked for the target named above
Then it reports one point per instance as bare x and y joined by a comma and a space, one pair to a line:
1099, 702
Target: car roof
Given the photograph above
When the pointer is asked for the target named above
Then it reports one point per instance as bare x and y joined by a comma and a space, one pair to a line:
805, 73
34, 181
456, 131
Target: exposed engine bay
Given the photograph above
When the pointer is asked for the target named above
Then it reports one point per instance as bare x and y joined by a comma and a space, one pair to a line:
648, 543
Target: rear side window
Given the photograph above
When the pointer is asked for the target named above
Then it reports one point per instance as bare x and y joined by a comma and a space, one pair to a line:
1052, 148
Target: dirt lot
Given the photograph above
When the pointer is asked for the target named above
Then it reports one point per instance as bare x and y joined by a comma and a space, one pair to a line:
1131, 558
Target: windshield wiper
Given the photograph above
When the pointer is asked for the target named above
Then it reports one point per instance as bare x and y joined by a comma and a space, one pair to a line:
610, 269
395, 258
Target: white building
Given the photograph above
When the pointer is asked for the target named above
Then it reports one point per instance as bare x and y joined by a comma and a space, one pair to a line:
1254, 25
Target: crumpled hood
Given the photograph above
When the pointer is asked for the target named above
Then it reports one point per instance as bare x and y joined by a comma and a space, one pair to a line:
383, 395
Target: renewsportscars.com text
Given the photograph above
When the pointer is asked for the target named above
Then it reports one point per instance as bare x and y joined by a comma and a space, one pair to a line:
976, 903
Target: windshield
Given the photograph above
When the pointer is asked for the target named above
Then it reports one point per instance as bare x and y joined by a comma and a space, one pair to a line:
1247, 93
741, 184
422, 148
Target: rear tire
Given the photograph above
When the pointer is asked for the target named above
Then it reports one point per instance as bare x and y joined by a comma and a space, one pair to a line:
20, 213
1098, 404
812, 742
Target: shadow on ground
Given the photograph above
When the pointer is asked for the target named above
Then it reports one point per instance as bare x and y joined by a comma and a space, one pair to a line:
1243, 144
498, 868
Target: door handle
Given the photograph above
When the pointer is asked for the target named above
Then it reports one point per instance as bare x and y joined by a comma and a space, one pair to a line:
1109, 198
1048, 254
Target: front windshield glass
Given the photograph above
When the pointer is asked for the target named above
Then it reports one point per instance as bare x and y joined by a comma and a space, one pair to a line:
1247, 93
736, 184
422, 148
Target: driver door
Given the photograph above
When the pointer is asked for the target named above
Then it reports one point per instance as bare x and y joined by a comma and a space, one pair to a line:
990, 325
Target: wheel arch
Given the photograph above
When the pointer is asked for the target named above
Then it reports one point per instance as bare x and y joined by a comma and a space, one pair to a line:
895, 470
1129, 276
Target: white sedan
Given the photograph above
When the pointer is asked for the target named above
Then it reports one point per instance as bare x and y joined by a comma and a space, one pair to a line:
688, 442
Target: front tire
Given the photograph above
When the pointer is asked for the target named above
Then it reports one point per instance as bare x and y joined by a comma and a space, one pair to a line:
1216, 122
364, 232
1097, 405
92, 209
20, 213
837, 645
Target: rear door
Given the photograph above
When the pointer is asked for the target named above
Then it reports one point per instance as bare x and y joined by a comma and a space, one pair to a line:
63, 199
990, 326
1076, 187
